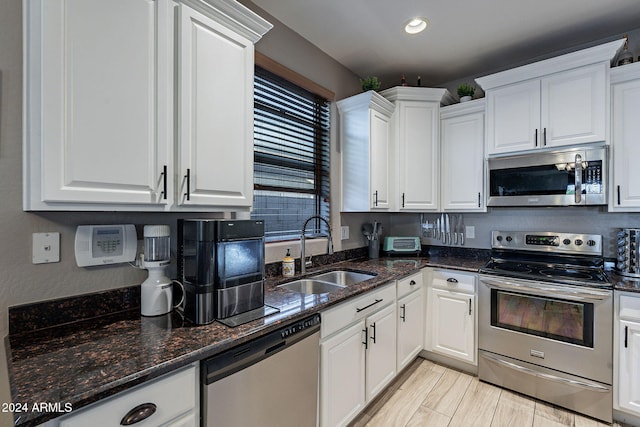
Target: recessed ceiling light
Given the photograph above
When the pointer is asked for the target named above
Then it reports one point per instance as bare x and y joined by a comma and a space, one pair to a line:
415, 25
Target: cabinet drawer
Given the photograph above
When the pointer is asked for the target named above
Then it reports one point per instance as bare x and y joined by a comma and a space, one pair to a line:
630, 307
353, 310
409, 284
173, 394
461, 282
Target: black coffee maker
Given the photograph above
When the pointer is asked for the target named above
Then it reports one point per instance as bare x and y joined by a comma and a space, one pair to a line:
221, 265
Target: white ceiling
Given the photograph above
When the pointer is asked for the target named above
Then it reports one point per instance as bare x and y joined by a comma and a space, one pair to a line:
464, 38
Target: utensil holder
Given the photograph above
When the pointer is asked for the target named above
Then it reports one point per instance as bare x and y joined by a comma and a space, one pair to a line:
374, 249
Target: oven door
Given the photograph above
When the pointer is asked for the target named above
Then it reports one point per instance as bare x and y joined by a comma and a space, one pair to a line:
562, 178
547, 324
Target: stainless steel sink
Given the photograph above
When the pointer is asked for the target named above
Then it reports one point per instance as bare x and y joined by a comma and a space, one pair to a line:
311, 286
344, 277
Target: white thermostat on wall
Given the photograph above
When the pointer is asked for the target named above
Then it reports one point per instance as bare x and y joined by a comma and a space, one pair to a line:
105, 244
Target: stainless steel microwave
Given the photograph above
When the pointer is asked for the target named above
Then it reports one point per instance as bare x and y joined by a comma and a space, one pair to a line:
569, 177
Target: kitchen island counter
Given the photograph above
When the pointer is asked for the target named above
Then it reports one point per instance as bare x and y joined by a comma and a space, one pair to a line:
77, 363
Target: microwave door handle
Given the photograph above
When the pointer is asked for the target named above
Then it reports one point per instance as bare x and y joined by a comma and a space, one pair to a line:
578, 176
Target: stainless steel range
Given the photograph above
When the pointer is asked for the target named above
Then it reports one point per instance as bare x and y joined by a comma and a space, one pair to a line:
545, 323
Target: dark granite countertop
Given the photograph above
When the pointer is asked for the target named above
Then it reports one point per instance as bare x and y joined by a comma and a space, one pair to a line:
87, 360
623, 283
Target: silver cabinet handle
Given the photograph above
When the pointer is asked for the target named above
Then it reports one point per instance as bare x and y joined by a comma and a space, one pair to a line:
452, 280
469, 306
577, 294
373, 326
578, 174
403, 316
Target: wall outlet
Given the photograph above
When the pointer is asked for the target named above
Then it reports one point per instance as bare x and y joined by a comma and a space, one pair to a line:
46, 248
470, 232
344, 232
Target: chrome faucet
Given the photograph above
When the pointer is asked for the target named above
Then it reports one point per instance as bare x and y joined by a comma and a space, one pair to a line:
303, 258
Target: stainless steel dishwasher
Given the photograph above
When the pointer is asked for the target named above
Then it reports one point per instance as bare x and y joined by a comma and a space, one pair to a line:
269, 381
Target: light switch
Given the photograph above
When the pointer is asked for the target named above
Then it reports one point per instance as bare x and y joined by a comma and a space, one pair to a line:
344, 231
470, 232
46, 247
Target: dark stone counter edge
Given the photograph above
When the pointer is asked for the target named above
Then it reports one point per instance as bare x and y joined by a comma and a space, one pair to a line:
130, 294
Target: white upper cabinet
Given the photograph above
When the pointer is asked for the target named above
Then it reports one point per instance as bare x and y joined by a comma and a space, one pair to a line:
556, 102
625, 135
415, 141
100, 98
92, 132
462, 146
216, 113
364, 125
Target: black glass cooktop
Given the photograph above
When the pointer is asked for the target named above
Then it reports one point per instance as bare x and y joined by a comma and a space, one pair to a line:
585, 271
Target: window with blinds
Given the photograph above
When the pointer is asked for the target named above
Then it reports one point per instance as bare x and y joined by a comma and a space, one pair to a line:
291, 157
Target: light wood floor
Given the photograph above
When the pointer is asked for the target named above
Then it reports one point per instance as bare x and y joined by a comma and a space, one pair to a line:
428, 394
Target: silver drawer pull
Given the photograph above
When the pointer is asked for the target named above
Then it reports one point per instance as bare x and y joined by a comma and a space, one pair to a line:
138, 414
452, 280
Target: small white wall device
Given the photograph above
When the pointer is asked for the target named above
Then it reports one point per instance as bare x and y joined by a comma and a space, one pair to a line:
105, 244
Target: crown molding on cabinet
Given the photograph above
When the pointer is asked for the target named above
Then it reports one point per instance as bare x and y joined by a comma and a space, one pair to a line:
233, 15
577, 59
369, 99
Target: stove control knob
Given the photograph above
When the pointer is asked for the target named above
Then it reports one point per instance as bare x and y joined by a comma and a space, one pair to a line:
566, 241
509, 238
578, 242
499, 238
591, 242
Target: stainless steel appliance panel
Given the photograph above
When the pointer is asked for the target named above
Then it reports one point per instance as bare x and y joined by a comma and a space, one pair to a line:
547, 351
571, 177
581, 395
271, 381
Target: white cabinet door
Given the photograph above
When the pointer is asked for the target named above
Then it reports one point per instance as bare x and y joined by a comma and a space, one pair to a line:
379, 174
564, 108
418, 162
216, 120
625, 192
452, 324
629, 368
381, 350
342, 376
513, 117
462, 172
574, 106
93, 134
410, 318
364, 127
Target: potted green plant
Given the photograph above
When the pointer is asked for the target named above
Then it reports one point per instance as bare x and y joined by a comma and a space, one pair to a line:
466, 91
370, 83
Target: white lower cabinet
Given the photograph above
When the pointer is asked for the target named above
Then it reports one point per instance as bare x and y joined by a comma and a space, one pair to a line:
627, 349
451, 315
410, 318
172, 400
357, 354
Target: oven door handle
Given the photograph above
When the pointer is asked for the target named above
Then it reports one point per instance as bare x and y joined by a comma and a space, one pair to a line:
566, 381
582, 294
